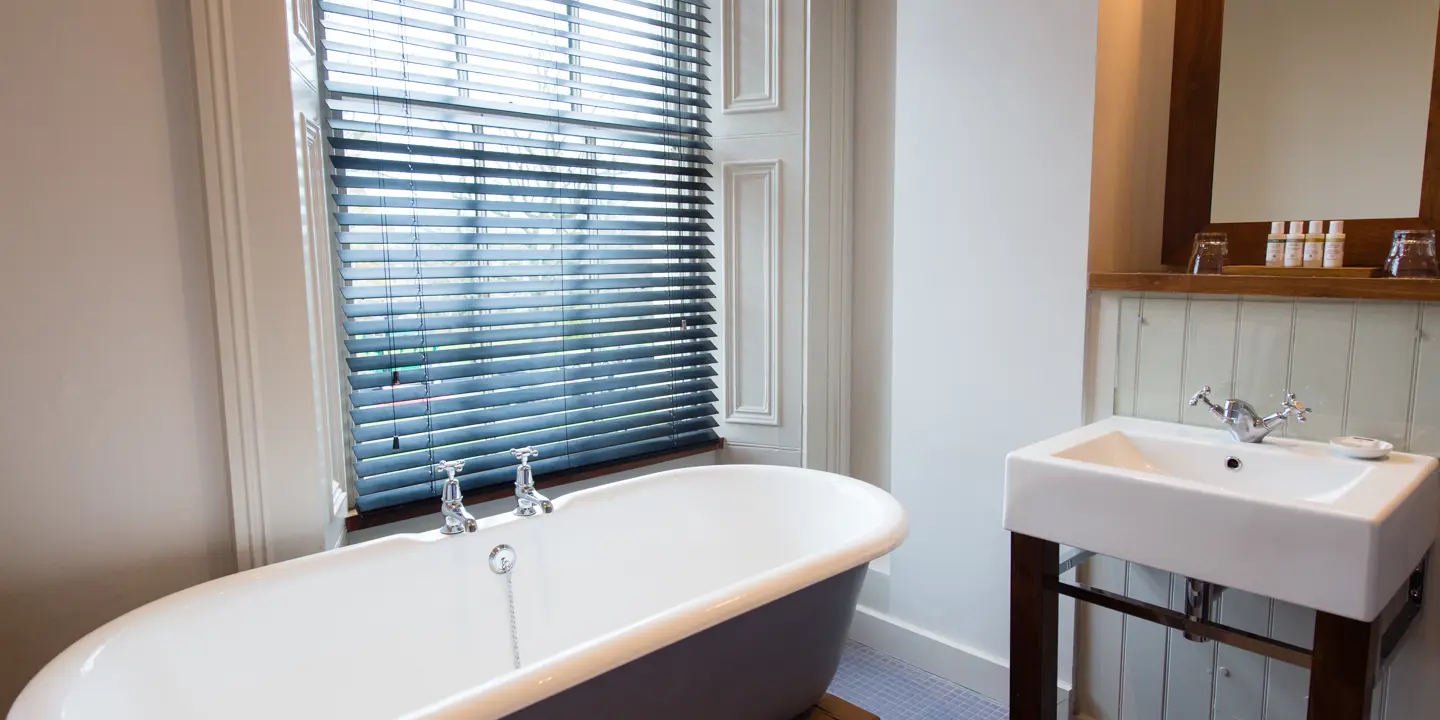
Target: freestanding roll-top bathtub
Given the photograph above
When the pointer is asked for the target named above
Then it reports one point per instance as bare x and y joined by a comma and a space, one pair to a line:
720, 593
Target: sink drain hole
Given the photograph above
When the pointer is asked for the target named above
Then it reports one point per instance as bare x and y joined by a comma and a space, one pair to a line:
1233, 463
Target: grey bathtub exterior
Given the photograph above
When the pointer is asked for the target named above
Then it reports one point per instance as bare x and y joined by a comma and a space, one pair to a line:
771, 663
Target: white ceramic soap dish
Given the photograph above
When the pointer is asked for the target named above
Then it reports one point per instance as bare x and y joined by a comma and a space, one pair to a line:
1363, 448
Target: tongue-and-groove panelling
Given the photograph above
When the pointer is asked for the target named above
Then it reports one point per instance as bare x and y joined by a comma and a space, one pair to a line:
1365, 368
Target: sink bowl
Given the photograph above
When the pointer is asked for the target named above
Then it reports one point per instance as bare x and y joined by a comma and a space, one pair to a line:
1284, 518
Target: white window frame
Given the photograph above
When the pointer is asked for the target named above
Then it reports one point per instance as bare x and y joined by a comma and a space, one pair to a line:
257, 77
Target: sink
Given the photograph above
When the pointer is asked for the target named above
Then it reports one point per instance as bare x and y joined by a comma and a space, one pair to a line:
1285, 518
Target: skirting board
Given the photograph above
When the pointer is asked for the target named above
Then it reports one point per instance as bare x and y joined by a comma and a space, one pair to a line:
940, 656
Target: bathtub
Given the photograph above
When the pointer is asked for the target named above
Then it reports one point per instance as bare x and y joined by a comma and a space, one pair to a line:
719, 593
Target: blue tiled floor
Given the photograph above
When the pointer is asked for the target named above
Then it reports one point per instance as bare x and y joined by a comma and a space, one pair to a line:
897, 691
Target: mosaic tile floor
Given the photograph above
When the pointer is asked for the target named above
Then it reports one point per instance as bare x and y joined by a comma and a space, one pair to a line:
897, 691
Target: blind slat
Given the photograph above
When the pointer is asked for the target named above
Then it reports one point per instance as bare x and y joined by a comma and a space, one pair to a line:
375, 106
526, 40
389, 307
372, 34
389, 472
498, 471
574, 363
480, 320
451, 338
485, 423
697, 364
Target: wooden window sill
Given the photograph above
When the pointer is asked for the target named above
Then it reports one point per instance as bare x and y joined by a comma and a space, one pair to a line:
384, 516
1307, 287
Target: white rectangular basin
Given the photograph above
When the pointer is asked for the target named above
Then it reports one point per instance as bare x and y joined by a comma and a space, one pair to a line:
1285, 518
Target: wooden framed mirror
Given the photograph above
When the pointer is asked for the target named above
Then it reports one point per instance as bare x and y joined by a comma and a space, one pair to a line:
1195, 122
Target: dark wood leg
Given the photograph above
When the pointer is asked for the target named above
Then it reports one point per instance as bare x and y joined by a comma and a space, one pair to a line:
1034, 626
1342, 671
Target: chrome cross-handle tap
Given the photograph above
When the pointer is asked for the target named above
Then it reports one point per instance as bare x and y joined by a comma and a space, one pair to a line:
1244, 422
530, 502
1293, 408
1204, 397
452, 504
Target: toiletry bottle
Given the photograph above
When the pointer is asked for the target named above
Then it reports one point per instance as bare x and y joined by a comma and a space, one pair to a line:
1295, 245
1335, 245
1315, 245
1275, 245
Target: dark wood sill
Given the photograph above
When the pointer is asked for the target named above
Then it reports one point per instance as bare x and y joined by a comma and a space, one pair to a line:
429, 506
1307, 287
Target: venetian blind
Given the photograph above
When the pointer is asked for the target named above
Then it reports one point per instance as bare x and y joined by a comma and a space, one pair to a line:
521, 213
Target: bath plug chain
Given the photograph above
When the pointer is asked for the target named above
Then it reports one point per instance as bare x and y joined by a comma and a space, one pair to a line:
502, 562
514, 632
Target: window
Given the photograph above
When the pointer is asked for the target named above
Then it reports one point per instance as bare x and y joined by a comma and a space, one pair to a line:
521, 219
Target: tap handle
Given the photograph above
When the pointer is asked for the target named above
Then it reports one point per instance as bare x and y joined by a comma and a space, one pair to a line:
1295, 407
524, 454
1202, 396
450, 467
450, 495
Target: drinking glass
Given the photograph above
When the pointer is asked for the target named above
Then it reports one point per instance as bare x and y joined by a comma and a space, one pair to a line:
1412, 255
1208, 255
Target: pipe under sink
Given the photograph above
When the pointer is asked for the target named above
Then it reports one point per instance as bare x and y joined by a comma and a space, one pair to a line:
1202, 599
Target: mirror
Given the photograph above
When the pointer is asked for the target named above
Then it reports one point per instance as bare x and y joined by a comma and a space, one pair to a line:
1323, 109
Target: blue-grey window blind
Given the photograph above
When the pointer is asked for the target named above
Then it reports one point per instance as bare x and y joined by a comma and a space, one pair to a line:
521, 214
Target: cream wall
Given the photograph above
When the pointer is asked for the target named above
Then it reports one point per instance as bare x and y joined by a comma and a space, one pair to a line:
112, 483
874, 232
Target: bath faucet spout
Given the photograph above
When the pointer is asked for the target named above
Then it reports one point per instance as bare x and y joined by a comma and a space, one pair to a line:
529, 501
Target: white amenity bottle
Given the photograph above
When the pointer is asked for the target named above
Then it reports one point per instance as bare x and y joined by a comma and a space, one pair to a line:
1295, 245
1315, 245
1335, 245
1275, 245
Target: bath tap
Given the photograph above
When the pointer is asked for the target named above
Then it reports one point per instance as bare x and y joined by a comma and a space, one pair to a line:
452, 505
1244, 421
525, 494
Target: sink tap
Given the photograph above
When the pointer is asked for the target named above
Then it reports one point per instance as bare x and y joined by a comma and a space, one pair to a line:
525, 494
1244, 421
452, 505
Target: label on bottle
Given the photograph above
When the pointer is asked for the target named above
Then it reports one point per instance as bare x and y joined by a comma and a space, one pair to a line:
1275, 253
1314, 253
1334, 253
1294, 252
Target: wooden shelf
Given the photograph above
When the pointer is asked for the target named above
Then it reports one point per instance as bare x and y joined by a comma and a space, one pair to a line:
1282, 286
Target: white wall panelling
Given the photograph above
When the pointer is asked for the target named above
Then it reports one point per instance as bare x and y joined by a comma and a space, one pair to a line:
783, 222
752, 58
302, 16
751, 189
829, 239
1365, 367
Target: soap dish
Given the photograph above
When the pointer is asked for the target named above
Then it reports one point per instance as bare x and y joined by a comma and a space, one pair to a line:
1363, 448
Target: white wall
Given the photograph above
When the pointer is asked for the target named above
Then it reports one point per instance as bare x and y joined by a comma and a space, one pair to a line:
1335, 128
874, 224
993, 129
1365, 368
112, 476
